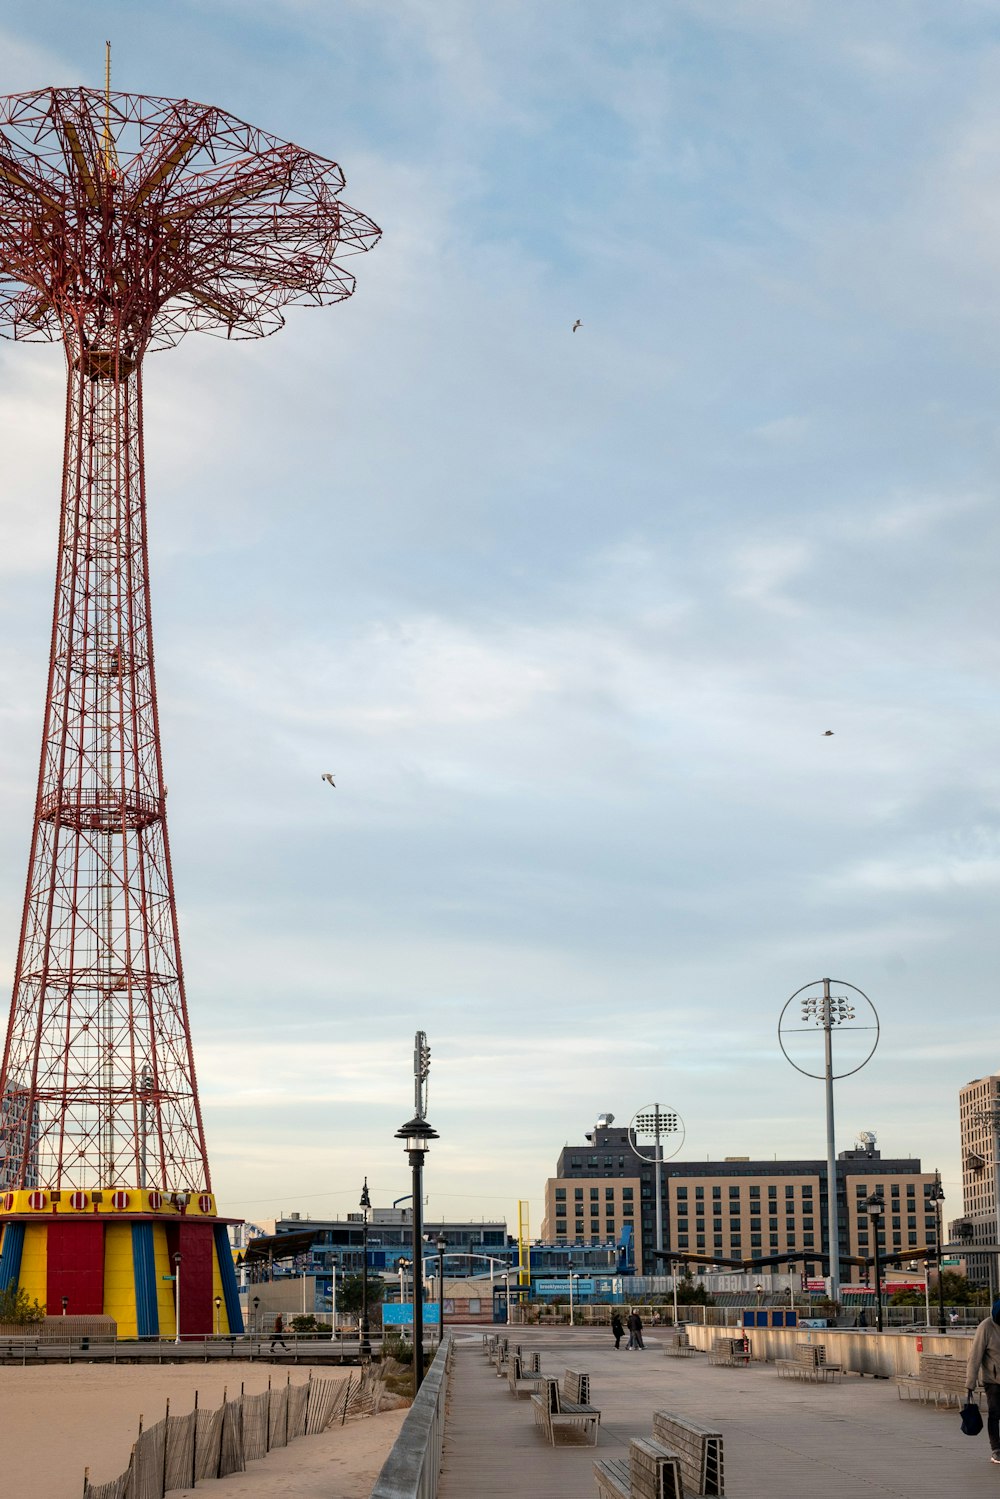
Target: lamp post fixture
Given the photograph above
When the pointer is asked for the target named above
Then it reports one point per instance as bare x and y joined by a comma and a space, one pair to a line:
990, 1119
416, 1135
759, 1289
506, 1296
572, 1277
177, 1291
876, 1209
218, 1308
648, 1126
364, 1341
255, 1321
936, 1195
442, 1245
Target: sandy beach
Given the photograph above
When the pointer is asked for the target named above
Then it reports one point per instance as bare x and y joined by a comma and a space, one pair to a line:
58, 1421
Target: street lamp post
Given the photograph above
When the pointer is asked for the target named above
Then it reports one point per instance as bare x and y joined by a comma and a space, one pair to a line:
572, 1277
364, 1341
442, 1245
876, 1209
218, 1308
759, 1290
177, 1291
936, 1195
416, 1135
506, 1296
255, 1321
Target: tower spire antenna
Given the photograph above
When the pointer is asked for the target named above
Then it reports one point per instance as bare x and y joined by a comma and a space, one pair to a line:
109, 153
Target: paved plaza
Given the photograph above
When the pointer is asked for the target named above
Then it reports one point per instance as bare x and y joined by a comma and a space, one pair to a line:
784, 1439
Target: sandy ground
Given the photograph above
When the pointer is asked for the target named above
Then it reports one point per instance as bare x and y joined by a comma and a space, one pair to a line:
56, 1421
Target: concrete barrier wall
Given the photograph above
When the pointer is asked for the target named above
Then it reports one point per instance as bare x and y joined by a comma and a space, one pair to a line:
863, 1351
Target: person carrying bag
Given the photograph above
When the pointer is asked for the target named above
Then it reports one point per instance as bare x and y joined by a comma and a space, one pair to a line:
984, 1365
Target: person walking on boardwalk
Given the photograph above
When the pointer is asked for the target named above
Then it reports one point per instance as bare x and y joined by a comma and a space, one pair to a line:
984, 1364
279, 1333
635, 1330
617, 1328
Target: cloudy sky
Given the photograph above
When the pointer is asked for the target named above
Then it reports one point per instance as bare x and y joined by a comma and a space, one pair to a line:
568, 613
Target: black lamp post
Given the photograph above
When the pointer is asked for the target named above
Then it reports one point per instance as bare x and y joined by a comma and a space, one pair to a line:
416, 1135
876, 1209
364, 1345
218, 1309
442, 1245
255, 1323
936, 1195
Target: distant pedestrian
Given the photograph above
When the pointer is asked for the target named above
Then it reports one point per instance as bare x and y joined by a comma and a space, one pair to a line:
634, 1325
617, 1328
953, 1318
862, 1318
984, 1363
279, 1331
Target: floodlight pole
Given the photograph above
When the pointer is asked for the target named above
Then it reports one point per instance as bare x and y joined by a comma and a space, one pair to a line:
658, 1157
832, 1205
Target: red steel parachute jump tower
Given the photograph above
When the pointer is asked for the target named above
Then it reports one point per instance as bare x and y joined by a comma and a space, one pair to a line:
125, 222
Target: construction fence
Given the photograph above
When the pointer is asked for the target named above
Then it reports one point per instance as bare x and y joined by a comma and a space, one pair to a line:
181, 1451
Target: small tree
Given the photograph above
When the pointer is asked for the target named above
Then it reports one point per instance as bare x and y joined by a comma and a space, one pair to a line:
349, 1294
15, 1307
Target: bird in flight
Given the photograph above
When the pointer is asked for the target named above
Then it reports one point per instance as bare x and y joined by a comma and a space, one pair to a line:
577, 324
827, 733
328, 776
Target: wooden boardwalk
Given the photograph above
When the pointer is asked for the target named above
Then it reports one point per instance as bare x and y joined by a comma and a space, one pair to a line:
784, 1439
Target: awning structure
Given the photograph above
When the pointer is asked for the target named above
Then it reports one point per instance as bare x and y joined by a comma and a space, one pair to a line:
273, 1247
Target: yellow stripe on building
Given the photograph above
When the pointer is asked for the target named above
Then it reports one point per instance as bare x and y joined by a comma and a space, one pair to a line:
119, 1279
33, 1279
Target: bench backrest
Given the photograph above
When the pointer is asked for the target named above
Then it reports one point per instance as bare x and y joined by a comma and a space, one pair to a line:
699, 1449
653, 1474
548, 1389
809, 1353
576, 1387
942, 1368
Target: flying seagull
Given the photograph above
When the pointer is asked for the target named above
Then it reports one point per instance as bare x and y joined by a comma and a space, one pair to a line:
577, 324
827, 733
328, 776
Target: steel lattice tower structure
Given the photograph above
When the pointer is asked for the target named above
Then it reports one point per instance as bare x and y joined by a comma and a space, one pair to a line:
125, 222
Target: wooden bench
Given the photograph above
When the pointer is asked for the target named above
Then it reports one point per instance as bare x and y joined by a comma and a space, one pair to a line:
808, 1361
649, 1472
679, 1346
498, 1357
523, 1370
939, 1376
490, 1341
556, 1408
699, 1449
734, 1353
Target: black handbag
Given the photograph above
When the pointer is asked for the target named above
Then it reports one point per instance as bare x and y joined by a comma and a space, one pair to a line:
972, 1420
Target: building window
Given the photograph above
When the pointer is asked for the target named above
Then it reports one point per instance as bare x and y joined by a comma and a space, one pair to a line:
807, 1223
895, 1223
733, 1192
754, 1223
578, 1193
807, 1190
717, 1241
682, 1241
755, 1240
608, 1161
911, 1238
772, 1192
789, 1192
682, 1191
716, 1193
773, 1241
627, 1209
808, 1242
701, 1241
789, 1225
911, 1222
754, 1191
609, 1194
699, 1192
682, 1224
560, 1194
772, 1223
626, 1193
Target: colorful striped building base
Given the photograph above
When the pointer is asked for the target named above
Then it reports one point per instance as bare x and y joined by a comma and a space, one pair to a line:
113, 1254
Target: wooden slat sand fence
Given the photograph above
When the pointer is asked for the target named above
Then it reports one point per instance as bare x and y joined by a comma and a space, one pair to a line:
181, 1451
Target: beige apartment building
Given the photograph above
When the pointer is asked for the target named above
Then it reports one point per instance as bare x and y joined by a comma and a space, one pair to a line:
978, 1106
736, 1208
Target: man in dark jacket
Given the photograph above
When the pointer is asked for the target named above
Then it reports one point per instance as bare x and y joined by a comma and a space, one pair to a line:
279, 1333
634, 1324
617, 1328
984, 1363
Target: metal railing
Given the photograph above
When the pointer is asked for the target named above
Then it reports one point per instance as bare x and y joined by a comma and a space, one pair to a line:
413, 1466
